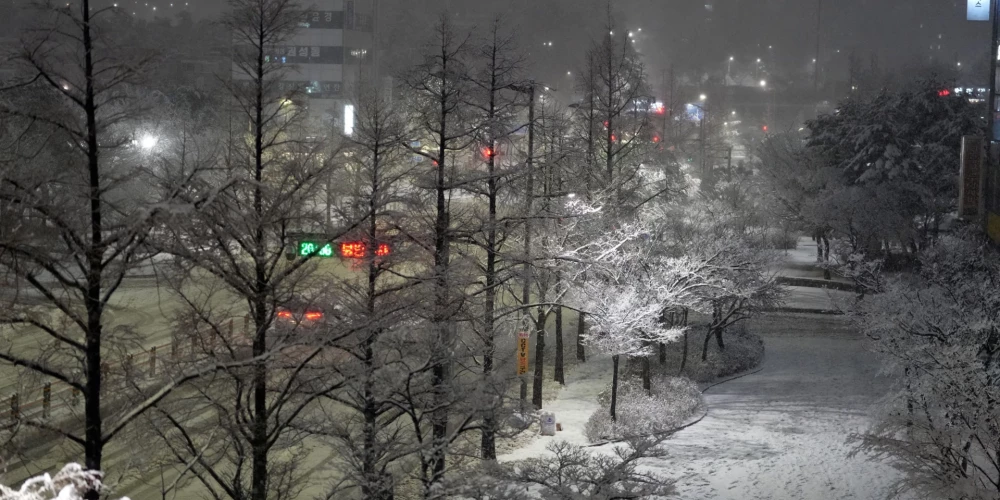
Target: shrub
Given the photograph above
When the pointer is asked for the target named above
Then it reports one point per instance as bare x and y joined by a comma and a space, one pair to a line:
671, 402
744, 351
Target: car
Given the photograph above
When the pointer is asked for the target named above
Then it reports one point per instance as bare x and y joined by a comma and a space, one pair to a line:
298, 313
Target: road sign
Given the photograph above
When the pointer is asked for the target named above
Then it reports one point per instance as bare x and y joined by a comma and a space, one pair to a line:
522, 352
977, 10
971, 176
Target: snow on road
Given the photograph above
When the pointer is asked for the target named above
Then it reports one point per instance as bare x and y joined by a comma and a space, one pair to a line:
777, 434
781, 433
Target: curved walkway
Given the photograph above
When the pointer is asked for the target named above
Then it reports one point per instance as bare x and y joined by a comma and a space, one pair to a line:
781, 433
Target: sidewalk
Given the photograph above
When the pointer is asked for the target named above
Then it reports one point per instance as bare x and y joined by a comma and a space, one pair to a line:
800, 268
572, 407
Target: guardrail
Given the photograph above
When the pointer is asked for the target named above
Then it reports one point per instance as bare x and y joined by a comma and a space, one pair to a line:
142, 364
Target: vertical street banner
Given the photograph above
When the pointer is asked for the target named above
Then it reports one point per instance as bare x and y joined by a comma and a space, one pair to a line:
971, 176
977, 10
522, 352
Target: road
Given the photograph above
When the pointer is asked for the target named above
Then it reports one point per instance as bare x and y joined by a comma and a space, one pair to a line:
148, 306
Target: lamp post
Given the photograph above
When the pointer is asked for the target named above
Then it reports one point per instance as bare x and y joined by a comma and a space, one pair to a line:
729, 68
701, 132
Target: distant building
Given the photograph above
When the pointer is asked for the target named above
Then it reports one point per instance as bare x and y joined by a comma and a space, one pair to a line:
332, 47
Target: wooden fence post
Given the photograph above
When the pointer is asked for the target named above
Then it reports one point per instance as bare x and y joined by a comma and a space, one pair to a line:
152, 361
46, 399
128, 367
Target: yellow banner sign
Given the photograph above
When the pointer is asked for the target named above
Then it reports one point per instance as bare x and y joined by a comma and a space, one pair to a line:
522, 352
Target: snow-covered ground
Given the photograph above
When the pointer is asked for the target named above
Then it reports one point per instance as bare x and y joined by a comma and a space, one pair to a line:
777, 434
781, 433
572, 407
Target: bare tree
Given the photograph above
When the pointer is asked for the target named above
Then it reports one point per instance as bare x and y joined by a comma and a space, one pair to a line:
440, 114
71, 169
232, 258
497, 103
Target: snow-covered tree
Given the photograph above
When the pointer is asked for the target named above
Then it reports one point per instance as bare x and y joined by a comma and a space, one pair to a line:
938, 333
627, 286
899, 146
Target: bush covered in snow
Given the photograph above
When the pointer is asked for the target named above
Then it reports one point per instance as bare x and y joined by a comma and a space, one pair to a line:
744, 351
570, 472
670, 402
68, 484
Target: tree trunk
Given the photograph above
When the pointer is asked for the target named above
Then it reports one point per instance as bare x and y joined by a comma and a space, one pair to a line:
708, 338
614, 388
536, 381
581, 354
663, 353
646, 384
684, 354
718, 339
559, 374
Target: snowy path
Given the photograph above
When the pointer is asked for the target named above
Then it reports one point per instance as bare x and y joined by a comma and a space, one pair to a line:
780, 434
572, 407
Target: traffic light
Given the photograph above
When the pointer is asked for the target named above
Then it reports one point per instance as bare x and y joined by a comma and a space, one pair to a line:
944, 93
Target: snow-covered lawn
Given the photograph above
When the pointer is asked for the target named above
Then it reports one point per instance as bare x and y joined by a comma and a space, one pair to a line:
777, 434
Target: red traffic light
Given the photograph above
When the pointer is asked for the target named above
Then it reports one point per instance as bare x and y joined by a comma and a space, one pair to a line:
764, 128
488, 152
656, 139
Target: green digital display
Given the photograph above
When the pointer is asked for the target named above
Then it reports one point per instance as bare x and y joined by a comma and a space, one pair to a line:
311, 248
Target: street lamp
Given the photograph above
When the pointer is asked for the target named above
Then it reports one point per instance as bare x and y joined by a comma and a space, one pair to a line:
701, 130
148, 141
729, 68
763, 84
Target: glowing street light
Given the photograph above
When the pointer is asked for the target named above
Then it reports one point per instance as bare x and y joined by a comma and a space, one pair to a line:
702, 97
763, 83
148, 141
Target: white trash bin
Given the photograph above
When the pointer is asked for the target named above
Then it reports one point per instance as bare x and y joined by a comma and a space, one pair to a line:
547, 420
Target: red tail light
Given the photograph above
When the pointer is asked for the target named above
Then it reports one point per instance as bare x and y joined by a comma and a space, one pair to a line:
313, 315
283, 314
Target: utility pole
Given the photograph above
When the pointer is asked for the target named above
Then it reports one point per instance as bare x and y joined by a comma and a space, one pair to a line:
701, 140
819, 20
991, 146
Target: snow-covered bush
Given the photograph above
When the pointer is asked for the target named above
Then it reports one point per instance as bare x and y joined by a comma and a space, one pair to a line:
573, 472
672, 401
744, 351
939, 333
68, 484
